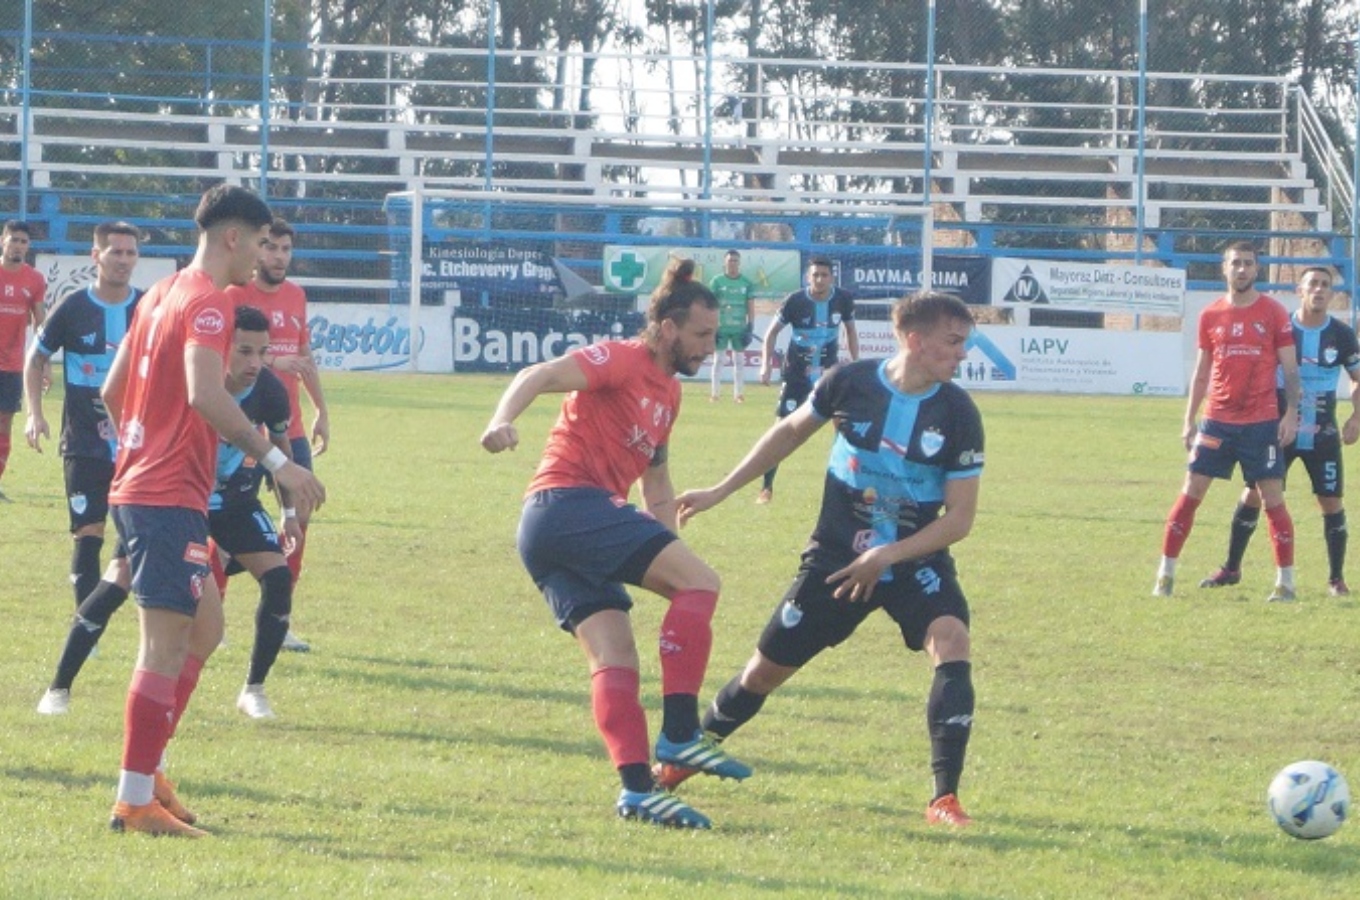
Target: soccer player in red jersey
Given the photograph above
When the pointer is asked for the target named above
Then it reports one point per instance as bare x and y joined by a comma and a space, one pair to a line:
285, 303
166, 393
582, 541
21, 305
1244, 336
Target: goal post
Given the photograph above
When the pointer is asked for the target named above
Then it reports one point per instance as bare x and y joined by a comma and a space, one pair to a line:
520, 277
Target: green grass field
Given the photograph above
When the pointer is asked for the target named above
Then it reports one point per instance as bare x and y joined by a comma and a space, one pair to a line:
438, 740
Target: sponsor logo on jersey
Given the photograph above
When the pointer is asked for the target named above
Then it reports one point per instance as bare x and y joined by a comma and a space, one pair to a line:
210, 321
595, 354
196, 553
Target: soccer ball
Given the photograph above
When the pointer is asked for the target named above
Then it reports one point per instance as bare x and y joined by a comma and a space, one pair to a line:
1309, 799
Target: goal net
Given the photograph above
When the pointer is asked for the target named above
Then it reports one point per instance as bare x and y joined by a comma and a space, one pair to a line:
520, 278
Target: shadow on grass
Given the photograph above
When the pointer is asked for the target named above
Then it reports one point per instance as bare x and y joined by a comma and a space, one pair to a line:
63, 779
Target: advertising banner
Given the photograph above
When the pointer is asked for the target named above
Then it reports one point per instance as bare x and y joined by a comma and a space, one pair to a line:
66, 273
369, 336
1058, 360
629, 269
1088, 287
874, 275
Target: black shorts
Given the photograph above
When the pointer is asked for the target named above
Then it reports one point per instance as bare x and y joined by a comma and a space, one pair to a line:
87, 490
11, 391
793, 394
243, 528
809, 619
1323, 464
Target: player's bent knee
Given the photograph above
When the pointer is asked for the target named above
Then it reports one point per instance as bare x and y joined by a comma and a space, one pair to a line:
947, 640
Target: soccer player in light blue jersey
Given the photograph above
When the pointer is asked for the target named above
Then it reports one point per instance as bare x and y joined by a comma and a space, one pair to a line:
901, 487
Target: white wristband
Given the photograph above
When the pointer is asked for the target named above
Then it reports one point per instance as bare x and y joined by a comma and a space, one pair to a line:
289, 512
274, 459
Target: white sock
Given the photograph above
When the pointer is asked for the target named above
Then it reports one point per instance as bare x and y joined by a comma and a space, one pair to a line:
1285, 576
134, 788
1167, 568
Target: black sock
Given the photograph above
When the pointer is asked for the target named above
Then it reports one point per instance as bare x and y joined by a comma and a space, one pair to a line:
680, 716
1243, 526
637, 777
85, 565
732, 708
271, 622
768, 482
86, 630
949, 716
1334, 530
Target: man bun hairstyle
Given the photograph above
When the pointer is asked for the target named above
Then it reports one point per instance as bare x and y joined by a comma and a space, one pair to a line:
675, 296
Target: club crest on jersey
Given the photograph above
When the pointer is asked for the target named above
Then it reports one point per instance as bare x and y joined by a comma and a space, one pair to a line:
596, 354
931, 442
79, 504
210, 321
1329, 356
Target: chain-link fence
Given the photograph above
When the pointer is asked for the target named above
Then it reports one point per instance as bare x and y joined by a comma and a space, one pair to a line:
1059, 128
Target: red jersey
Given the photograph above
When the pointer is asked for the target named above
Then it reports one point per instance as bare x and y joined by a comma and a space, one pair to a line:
167, 452
1243, 342
288, 333
21, 291
607, 434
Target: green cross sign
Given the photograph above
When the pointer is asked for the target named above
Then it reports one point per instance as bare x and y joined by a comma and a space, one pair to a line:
627, 270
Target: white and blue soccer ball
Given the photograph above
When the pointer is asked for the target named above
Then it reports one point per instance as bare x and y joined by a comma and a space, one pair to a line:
1309, 799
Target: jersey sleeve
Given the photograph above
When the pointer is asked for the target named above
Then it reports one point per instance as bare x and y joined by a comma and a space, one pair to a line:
966, 447
606, 364
1347, 347
275, 408
825, 392
207, 319
783, 314
53, 332
847, 305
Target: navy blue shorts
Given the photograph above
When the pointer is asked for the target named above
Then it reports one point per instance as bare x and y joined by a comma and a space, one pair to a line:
87, 490
11, 391
1219, 446
582, 545
810, 619
167, 550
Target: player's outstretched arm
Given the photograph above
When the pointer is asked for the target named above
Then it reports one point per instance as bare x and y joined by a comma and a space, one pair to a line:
783, 437
35, 428
1199, 386
556, 376
1350, 430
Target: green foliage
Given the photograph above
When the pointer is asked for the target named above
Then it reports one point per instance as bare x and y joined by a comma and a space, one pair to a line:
438, 741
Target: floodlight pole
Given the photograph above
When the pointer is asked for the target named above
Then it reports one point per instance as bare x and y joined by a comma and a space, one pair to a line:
1142, 140
267, 53
929, 143
1355, 192
26, 108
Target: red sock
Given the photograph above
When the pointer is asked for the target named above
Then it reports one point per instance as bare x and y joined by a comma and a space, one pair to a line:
1281, 535
686, 639
295, 558
147, 720
184, 689
1178, 524
618, 714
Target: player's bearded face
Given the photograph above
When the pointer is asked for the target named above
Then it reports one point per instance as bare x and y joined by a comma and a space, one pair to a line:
694, 341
